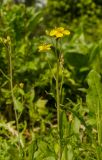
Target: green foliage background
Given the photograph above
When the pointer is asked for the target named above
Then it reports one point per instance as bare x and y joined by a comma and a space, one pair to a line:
36, 100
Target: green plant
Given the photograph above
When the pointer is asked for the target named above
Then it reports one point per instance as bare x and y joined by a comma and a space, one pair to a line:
95, 105
53, 92
57, 33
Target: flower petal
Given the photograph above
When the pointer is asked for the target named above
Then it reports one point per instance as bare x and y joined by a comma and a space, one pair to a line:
59, 34
44, 47
66, 32
53, 32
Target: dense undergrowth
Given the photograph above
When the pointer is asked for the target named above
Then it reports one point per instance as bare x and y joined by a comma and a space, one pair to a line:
28, 111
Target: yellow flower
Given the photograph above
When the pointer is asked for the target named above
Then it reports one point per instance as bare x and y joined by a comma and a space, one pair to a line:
44, 47
59, 32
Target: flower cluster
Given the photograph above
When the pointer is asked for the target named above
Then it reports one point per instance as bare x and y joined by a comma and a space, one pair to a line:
56, 33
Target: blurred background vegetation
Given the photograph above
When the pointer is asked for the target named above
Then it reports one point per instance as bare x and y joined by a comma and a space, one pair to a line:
33, 82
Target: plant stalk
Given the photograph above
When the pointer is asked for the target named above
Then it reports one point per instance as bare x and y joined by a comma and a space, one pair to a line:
58, 102
11, 83
12, 93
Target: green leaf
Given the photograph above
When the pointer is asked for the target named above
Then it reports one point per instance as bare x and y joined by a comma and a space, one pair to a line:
76, 125
67, 153
41, 106
18, 105
94, 100
34, 21
94, 93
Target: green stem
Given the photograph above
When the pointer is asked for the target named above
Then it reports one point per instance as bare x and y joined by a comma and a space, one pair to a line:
58, 94
99, 128
4, 75
12, 93
11, 83
58, 102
